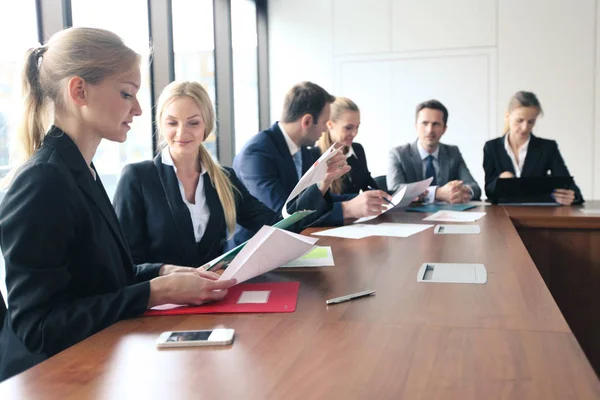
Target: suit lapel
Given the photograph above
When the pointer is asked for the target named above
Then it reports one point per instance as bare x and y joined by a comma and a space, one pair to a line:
534, 152
180, 212
505, 162
288, 162
417, 163
443, 165
94, 190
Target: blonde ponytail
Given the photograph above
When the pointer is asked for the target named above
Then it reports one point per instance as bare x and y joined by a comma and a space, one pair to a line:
218, 176
338, 107
90, 53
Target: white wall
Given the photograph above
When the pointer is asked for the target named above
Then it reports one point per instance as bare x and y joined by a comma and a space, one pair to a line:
389, 55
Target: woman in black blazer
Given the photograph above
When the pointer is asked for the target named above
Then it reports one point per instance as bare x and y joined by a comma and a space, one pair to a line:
521, 154
180, 207
69, 272
342, 127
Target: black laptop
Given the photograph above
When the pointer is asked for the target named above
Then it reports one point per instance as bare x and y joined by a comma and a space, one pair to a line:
529, 190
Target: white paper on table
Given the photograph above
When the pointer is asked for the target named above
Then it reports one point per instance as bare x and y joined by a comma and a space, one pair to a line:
313, 258
347, 232
359, 231
455, 216
398, 230
268, 249
590, 211
413, 190
396, 198
315, 174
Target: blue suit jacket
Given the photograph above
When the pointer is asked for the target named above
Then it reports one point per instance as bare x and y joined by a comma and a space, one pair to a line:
267, 169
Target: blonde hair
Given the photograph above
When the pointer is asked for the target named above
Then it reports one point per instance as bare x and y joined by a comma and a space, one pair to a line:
338, 107
521, 99
92, 54
218, 175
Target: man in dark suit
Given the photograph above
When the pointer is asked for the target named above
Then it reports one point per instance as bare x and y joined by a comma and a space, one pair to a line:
427, 157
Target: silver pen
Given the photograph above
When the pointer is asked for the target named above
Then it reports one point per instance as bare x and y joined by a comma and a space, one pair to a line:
349, 297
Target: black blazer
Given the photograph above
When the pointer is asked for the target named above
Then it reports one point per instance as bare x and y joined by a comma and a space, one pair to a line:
158, 225
69, 272
542, 157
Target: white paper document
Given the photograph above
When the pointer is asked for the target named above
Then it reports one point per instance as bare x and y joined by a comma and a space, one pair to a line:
455, 216
396, 198
314, 175
384, 229
320, 256
268, 249
590, 211
413, 190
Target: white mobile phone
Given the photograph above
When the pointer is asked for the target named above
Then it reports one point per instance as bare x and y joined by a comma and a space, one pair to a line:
215, 337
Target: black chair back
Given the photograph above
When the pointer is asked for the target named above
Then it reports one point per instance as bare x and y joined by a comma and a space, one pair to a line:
381, 182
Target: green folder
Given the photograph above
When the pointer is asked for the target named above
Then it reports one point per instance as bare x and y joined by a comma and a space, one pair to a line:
283, 224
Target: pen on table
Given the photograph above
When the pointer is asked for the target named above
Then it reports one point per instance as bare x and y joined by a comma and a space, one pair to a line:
349, 297
386, 200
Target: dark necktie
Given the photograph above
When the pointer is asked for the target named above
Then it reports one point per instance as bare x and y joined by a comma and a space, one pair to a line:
430, 170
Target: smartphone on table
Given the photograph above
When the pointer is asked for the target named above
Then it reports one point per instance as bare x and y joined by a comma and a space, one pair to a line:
215, 337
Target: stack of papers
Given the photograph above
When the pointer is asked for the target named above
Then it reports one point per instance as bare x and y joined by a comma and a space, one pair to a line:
455, 216
358, 231
268, 249
283, 224
320, 256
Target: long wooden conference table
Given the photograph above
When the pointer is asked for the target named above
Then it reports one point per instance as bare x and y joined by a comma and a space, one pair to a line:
506, 339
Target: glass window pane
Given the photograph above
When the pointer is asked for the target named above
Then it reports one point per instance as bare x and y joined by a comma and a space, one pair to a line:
18, 30
194, 48
245, 74
131, 23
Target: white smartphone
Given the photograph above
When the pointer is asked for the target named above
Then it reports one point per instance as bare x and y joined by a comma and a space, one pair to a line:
215, 337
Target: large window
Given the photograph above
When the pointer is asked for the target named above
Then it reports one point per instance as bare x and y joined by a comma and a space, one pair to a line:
245, 74
194, 48
131, 23
18, 30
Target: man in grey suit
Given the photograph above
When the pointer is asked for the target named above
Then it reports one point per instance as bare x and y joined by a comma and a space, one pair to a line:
427, 157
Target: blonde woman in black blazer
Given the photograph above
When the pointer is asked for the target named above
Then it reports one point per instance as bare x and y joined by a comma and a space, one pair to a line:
69, 271
521, 154
182, 206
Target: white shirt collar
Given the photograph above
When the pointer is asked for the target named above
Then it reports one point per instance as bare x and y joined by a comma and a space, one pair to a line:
165, 158
424, 153
350, 153
517, 166
290, 143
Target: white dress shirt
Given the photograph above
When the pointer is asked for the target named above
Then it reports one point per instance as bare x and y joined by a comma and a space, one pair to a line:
518, 166
351, 153
290, 143
199, 211
436, 166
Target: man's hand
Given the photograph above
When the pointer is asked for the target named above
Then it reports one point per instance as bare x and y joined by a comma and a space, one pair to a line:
453, 192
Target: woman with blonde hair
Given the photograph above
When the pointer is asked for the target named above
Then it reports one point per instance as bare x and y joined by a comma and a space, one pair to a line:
182, 206
69, 272
519, 153
353, 194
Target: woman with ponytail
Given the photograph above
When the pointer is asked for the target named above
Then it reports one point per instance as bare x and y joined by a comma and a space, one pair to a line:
69, 271
182, 206
353, 193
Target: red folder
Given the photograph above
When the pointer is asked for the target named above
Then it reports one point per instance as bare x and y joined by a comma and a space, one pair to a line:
282, 299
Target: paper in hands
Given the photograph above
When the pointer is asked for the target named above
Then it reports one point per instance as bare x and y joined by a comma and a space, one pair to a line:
314, 175
396, 199
413, 190
270, 248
